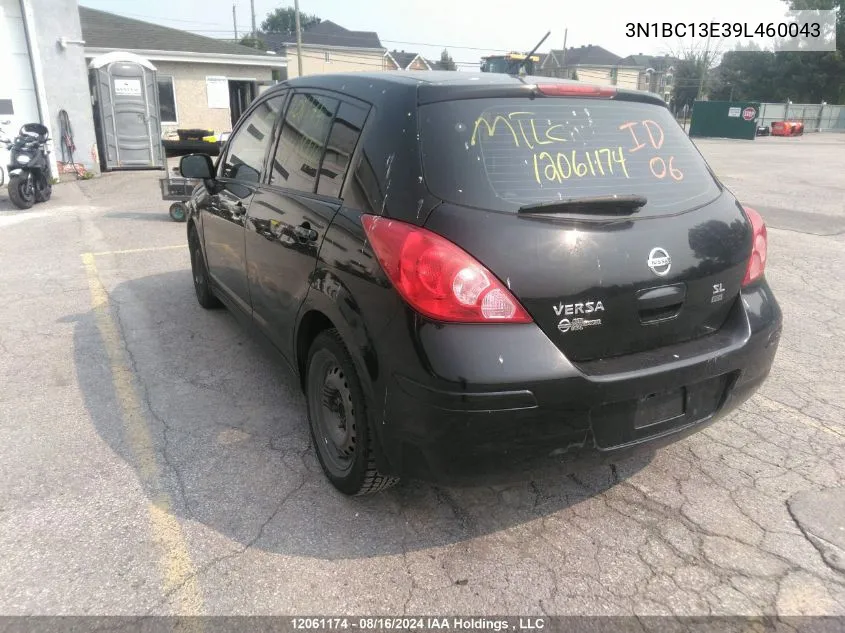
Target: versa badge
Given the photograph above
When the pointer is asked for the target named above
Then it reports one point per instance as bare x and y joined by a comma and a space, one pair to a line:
578, 323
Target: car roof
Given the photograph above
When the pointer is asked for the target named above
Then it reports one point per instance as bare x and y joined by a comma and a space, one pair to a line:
408, 77
362, 84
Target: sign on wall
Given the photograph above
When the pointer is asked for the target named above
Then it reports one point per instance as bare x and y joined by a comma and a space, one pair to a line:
218, 92
734, 112
129, 87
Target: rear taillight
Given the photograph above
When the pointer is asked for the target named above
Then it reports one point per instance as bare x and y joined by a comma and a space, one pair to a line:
437, 278
576, 90
759, 246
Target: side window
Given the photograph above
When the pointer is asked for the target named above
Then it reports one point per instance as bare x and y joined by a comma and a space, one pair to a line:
302, 141
166, 99
346, 130
247, 148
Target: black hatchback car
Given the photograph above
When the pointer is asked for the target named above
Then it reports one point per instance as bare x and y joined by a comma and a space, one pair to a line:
465, 270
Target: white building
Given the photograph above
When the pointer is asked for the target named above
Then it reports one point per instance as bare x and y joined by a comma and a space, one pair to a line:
43, 72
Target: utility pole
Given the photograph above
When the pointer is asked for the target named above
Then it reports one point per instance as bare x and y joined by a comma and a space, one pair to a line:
705, 63
252, 8
235, 21
563, 57
298, 39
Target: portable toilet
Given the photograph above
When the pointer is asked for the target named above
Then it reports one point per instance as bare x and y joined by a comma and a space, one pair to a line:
124, 95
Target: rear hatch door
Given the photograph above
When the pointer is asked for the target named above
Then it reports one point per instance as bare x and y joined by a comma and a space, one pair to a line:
600, 278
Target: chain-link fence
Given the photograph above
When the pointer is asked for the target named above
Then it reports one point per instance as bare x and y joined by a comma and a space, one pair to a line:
815, 117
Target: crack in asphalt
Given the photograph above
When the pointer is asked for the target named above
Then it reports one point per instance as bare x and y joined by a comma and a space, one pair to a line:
206, 567
148, 405
812, 538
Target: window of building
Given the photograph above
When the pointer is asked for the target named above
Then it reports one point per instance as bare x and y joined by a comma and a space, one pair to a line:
346, 130
302, 142
167, 99
247, 148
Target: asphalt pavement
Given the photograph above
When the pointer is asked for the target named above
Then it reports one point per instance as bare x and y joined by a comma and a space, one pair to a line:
155, 459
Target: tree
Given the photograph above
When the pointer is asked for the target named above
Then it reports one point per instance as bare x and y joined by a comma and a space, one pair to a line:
692, 75
283, 20
685, 86
803, 77
822, 74
446, 62
254, 42
747, 73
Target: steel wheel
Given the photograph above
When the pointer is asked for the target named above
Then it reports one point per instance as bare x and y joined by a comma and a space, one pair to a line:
205, 296
338, 419
335, 424
197, 266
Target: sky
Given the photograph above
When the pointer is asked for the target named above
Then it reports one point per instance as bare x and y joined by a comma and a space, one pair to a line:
468, 28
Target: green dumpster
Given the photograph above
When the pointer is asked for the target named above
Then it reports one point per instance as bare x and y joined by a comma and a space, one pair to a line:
725, 119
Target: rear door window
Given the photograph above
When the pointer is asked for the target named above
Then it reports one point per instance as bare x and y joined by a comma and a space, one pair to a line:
346, 130
500, 154
303, 138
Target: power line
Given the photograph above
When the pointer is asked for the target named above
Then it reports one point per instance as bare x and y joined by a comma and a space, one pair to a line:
357, 38
159, 19
469, 48
334, 36
351, 57
356, 60
337, 36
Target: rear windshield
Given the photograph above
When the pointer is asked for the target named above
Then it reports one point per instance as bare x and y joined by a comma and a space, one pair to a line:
503, 153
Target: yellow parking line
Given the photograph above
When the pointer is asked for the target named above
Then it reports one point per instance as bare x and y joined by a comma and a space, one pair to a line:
175, 563
804, 418
139, 250
821, 427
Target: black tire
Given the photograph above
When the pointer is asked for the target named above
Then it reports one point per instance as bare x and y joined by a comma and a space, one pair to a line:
178, 212
337, 417
21, 191
43, 190
199, 273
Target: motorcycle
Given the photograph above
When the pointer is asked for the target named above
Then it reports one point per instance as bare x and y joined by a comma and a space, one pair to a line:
30, 180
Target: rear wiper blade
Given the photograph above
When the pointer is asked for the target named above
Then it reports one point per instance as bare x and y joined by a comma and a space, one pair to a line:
587, 204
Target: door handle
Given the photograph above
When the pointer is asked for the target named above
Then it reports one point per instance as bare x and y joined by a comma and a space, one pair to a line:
305, 233
660, 304
661, 297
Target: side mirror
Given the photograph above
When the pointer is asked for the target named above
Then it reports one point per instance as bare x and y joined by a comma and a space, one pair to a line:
197, 166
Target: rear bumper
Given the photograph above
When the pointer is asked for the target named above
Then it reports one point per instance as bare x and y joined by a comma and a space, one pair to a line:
494, 398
